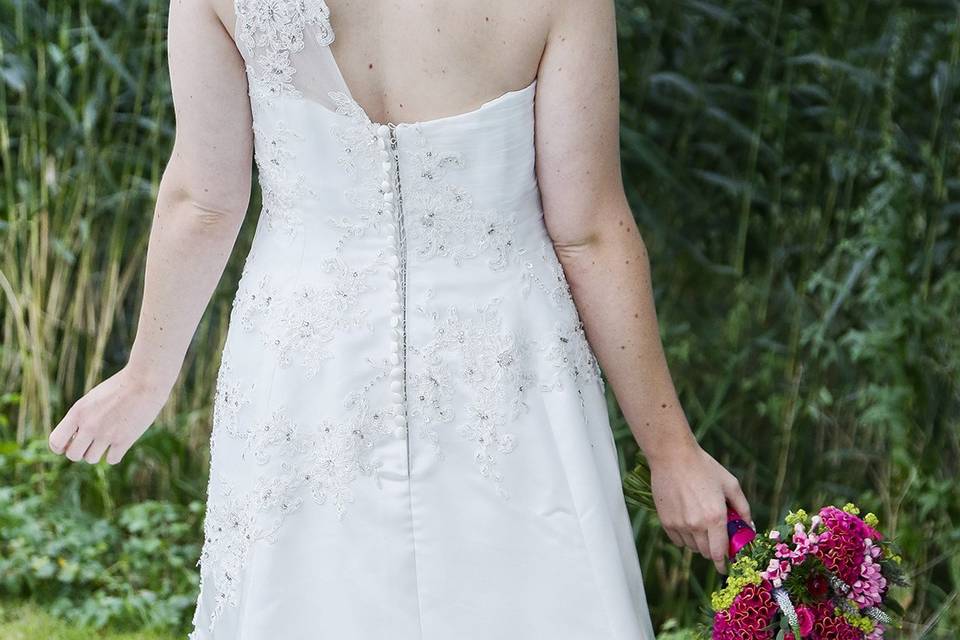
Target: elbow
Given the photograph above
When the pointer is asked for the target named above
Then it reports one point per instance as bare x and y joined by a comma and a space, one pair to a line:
201, 207
572, 248
606, 231
215, 215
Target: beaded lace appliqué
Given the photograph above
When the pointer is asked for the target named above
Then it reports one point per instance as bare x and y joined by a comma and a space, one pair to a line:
568, 347
492, 367
322, 458
359, 157
443, 220
299, 322
283, 187
269, 32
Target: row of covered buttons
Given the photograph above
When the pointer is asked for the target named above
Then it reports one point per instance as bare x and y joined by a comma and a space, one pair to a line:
396, 305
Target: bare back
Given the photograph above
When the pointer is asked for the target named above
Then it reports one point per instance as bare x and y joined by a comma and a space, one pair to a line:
409, 61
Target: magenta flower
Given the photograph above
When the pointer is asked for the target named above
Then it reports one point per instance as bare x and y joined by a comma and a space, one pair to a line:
805, 618
841, 546
748, 617
829, 626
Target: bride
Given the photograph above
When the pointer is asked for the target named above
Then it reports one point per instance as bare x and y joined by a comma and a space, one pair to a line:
410, 426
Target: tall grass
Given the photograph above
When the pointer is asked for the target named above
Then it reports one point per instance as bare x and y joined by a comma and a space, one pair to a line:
794, 169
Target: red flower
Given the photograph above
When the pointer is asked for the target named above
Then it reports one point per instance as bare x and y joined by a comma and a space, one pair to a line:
818, 586
748, 617
829, 626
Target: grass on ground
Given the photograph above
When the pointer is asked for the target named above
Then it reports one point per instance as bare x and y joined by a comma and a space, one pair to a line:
28, 621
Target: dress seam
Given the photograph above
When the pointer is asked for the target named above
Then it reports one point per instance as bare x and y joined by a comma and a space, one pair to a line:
576, 506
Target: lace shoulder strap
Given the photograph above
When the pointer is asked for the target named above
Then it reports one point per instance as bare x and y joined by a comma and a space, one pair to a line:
286, 47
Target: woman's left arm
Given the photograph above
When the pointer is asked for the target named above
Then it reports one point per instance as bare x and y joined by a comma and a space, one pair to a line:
606, 263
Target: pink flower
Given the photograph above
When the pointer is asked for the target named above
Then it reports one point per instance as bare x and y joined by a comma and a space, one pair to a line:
839, 520
806, 618
776, 572
868, 589
806, 543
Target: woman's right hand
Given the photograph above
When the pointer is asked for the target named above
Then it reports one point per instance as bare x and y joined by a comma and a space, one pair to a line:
112, 415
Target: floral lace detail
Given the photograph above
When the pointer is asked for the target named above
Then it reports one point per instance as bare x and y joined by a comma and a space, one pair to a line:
569, 349
432, 398
442, 219
322, 459
300, 322
230, 398
268, 32
492, 364
283, 188
359, 158
233, 523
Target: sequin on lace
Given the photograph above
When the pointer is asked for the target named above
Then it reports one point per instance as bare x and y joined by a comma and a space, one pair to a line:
321, 458
443, 220
567, 347
299, 322
269, 32
282, 187
489, 365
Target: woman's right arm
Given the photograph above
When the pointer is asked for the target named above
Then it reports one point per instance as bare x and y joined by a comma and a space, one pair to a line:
202, 200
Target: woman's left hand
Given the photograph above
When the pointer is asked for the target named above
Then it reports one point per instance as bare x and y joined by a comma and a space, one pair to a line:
691, 492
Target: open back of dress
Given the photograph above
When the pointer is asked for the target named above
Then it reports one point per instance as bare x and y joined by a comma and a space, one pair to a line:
410, 432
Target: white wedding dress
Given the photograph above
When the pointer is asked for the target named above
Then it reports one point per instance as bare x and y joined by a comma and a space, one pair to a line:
410, 434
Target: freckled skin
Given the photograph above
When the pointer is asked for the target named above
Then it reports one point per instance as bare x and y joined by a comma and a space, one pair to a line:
606, 263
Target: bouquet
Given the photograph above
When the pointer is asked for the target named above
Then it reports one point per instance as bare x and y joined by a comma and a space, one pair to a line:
820, 577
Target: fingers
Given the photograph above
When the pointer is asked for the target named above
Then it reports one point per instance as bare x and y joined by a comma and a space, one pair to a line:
674, 536
116, 452
689, 540
717, 542
96, 451
703, 543
60, 437
706, 535
736, 498
78, 446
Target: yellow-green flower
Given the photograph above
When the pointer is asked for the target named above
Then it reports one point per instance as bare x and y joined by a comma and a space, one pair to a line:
851, 509
798, 516
871, 520
863, 623
742, 572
